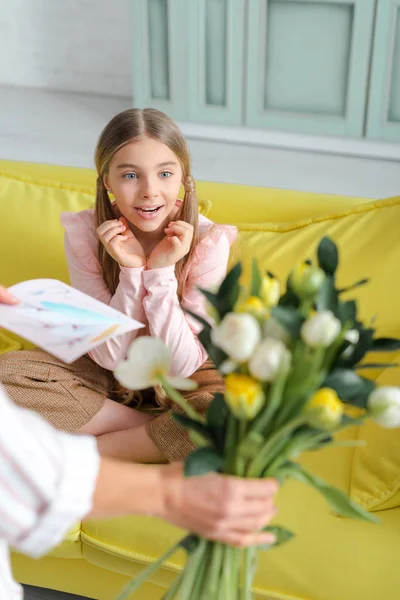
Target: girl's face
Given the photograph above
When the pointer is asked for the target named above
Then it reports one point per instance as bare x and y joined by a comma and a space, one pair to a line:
145, 177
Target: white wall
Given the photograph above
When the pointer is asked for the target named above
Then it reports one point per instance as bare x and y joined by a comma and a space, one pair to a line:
75, 45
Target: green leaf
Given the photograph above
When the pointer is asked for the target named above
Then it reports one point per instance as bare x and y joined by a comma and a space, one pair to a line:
256, 278
385, 344
282, 536
217, 411
217, 415
230, 280
251, 444
289, 299
349, 386
347, 311
360, 349
212, 298
289, 318
327, 298
202, 461
229, 291
354, 286
328, 257
193, 425
337, 499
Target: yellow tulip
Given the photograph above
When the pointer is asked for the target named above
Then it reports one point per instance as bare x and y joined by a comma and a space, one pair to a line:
324, 410
244, 396
254, 306
270, 291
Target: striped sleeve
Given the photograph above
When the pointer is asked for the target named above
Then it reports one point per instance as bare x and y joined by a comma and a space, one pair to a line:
47, 479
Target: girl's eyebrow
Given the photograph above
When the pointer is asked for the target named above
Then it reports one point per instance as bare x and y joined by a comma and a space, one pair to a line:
131, 166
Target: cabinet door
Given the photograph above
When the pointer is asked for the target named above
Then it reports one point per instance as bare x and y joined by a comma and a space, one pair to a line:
384, 99
308, 64
158, 78
215, 31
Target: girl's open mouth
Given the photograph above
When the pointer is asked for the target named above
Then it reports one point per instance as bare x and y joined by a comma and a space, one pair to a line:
148, 213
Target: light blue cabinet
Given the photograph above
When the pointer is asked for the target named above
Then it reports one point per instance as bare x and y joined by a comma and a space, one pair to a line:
329, 67
158, 62
215, 54
307, 65
384, 98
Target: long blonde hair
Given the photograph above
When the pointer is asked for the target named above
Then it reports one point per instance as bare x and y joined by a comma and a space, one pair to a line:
129, 126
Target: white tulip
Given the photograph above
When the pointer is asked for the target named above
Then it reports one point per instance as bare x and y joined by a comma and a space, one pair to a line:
237, 335
148, 361
269, 358
273, 329
384, 406
321, 329
352, 336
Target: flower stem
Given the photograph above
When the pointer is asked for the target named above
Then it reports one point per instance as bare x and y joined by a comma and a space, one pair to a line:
145, 574
247, 573
274, 401
214, 575
191, 569
258, 463
201, 572
229, 575
174, 395
231, 445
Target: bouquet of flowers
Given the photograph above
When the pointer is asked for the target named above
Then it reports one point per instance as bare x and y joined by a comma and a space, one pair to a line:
293, 379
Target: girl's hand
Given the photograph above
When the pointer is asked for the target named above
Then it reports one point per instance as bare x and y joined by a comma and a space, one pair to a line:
121, 244
173, 247
6, 297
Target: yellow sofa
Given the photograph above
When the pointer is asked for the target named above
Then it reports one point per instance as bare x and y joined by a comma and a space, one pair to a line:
331, 558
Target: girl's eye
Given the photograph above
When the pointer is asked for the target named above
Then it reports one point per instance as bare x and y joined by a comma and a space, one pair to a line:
165, 174
130, 176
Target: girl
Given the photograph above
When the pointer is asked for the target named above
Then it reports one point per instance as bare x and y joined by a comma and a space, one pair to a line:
146, 253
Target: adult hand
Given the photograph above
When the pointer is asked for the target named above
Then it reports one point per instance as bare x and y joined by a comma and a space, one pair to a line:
6, 297
173, 247
223, 508
121, 243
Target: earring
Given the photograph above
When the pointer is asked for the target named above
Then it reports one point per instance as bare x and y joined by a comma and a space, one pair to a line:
111, 195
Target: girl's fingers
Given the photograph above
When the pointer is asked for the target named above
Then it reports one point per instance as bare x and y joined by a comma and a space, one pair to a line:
182, 224
117, 239
177, 229
109, 235
106, 226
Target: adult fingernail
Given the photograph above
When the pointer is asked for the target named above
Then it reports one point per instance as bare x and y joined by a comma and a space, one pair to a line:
274, 484
269, 539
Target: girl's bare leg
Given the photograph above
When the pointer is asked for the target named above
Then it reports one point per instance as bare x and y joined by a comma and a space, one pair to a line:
114, 417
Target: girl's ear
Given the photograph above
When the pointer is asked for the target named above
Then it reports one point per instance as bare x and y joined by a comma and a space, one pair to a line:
106, 182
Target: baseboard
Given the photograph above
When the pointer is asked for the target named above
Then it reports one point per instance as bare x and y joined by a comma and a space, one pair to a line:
294, 141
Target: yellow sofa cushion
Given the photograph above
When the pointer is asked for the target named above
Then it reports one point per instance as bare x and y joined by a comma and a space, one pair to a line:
367, 236
375, 479
8, 344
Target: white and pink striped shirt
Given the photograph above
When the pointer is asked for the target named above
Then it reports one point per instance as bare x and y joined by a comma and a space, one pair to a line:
47, 480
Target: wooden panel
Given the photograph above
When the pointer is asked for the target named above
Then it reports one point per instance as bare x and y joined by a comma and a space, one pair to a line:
384, 99
158, 77
215, 60
308, 65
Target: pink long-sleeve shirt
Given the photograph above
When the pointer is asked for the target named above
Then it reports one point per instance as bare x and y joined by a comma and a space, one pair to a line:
150, 295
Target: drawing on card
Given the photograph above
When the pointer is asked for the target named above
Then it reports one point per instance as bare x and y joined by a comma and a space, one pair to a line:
62, 320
